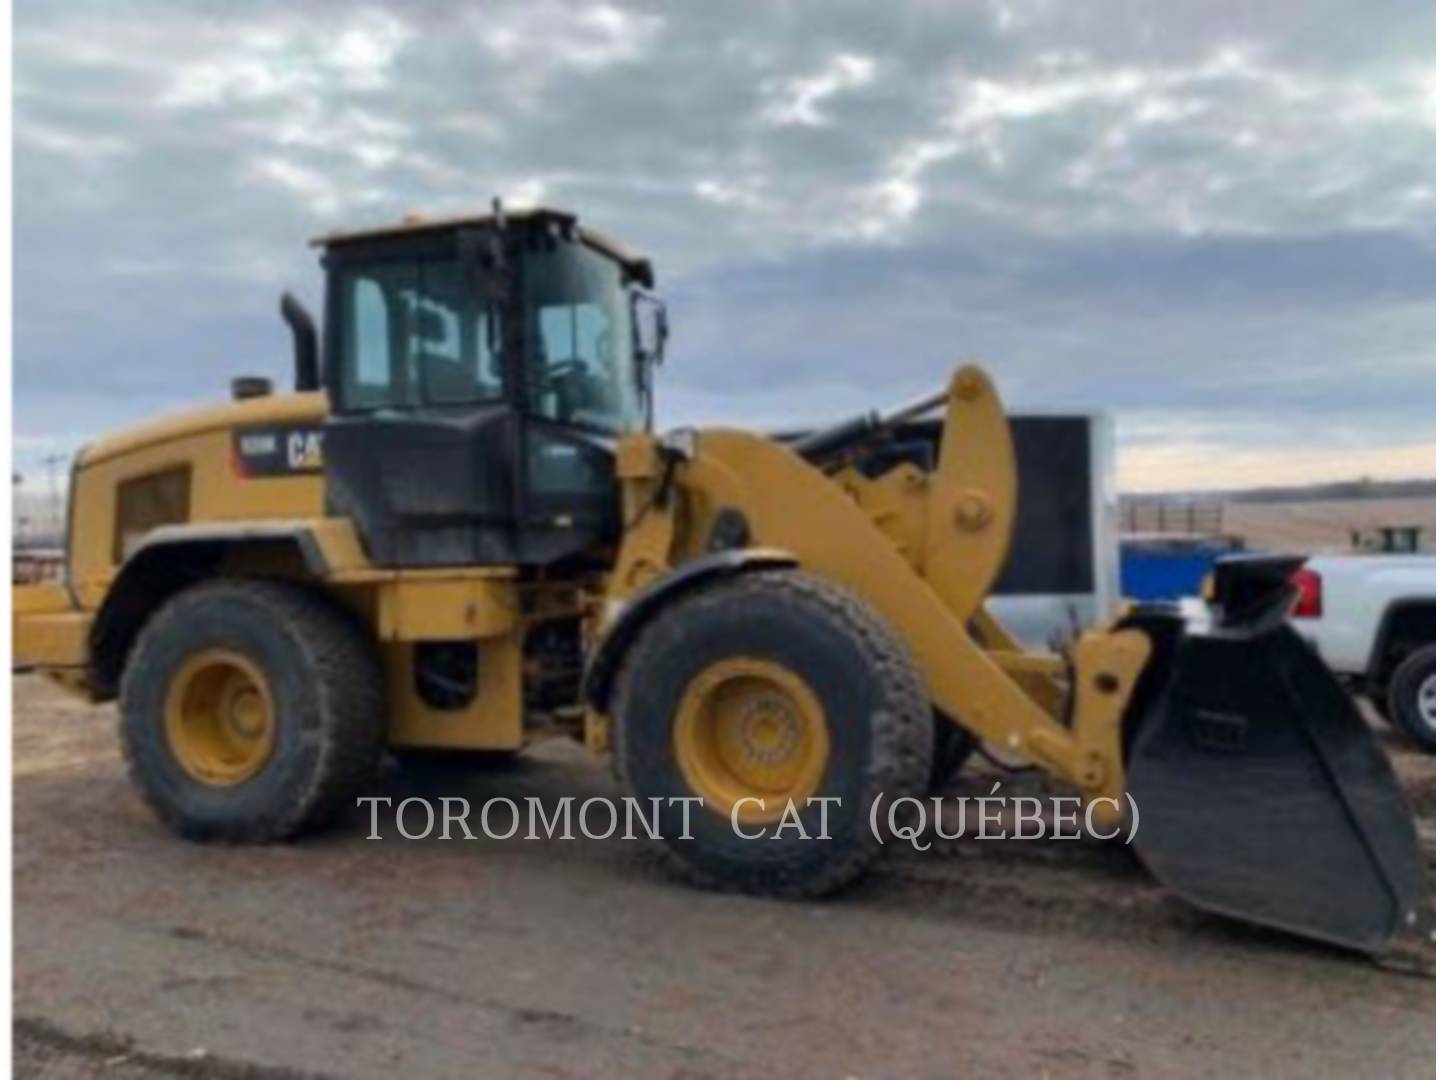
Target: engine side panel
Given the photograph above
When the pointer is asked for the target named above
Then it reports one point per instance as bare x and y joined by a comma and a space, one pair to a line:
248, 461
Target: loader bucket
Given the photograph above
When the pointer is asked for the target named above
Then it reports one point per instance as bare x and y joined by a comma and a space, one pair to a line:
1260, 791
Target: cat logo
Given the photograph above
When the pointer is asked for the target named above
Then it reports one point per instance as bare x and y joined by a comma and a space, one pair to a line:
276, 450
302, 451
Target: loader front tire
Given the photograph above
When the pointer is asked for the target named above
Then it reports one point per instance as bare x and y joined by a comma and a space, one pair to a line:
251, 711
780, 687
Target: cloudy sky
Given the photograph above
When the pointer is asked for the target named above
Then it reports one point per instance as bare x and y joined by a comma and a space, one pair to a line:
1215, 219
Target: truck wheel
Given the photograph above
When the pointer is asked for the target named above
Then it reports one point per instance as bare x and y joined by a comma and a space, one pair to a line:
766, 691
251, 710
1412, 697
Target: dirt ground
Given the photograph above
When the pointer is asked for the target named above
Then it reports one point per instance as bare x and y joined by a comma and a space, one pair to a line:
139, 955
1324, 525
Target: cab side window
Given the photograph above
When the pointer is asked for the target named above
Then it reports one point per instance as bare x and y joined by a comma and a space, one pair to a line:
453, 340
413, 333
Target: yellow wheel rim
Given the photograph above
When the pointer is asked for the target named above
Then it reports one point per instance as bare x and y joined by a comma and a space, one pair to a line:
220, 718
750, 729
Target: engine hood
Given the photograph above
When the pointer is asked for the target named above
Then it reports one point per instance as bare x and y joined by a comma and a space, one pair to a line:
274, 408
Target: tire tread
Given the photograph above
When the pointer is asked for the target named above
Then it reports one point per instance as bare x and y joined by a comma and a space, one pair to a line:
903, 734
351, 712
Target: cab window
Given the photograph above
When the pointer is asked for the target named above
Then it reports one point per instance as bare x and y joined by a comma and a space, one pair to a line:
580, 357
413, 333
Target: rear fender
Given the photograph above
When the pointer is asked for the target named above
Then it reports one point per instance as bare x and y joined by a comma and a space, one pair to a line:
174, 557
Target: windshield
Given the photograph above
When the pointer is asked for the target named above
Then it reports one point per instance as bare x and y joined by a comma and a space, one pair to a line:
580, 345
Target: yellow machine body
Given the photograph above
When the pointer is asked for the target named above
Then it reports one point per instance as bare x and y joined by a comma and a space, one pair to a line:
177, 480
922, 547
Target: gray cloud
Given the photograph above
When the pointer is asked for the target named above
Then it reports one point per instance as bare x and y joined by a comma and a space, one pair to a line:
1214, 218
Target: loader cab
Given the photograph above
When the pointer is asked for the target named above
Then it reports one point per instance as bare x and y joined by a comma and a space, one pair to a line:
480, 373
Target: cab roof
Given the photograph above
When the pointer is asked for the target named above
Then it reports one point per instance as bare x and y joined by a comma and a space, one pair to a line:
415, 224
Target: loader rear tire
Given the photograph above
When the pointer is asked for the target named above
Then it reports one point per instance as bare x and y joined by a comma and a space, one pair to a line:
772, 685
251, 711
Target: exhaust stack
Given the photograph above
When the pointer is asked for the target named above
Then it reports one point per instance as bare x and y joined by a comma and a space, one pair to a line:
307, 348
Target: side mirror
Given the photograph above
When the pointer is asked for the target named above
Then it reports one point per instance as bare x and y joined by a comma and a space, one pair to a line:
652, 328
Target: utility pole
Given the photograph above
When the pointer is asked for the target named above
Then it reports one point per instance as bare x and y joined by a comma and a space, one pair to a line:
51, 461
22, 521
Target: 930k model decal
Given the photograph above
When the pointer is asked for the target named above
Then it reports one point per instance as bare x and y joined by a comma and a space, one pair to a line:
278, 450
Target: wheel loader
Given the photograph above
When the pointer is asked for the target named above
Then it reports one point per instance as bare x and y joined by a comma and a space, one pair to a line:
460, 533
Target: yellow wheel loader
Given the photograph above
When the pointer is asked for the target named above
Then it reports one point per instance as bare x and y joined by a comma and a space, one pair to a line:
460, 533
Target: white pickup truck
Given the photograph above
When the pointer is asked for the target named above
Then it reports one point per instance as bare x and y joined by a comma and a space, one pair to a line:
1372, 619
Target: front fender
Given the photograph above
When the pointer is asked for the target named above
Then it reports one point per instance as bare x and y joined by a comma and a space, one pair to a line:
624, 626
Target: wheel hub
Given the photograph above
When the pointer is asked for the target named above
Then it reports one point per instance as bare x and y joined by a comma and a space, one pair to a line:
220, 718
750, 729
246, 714
1427, 700
770, 731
